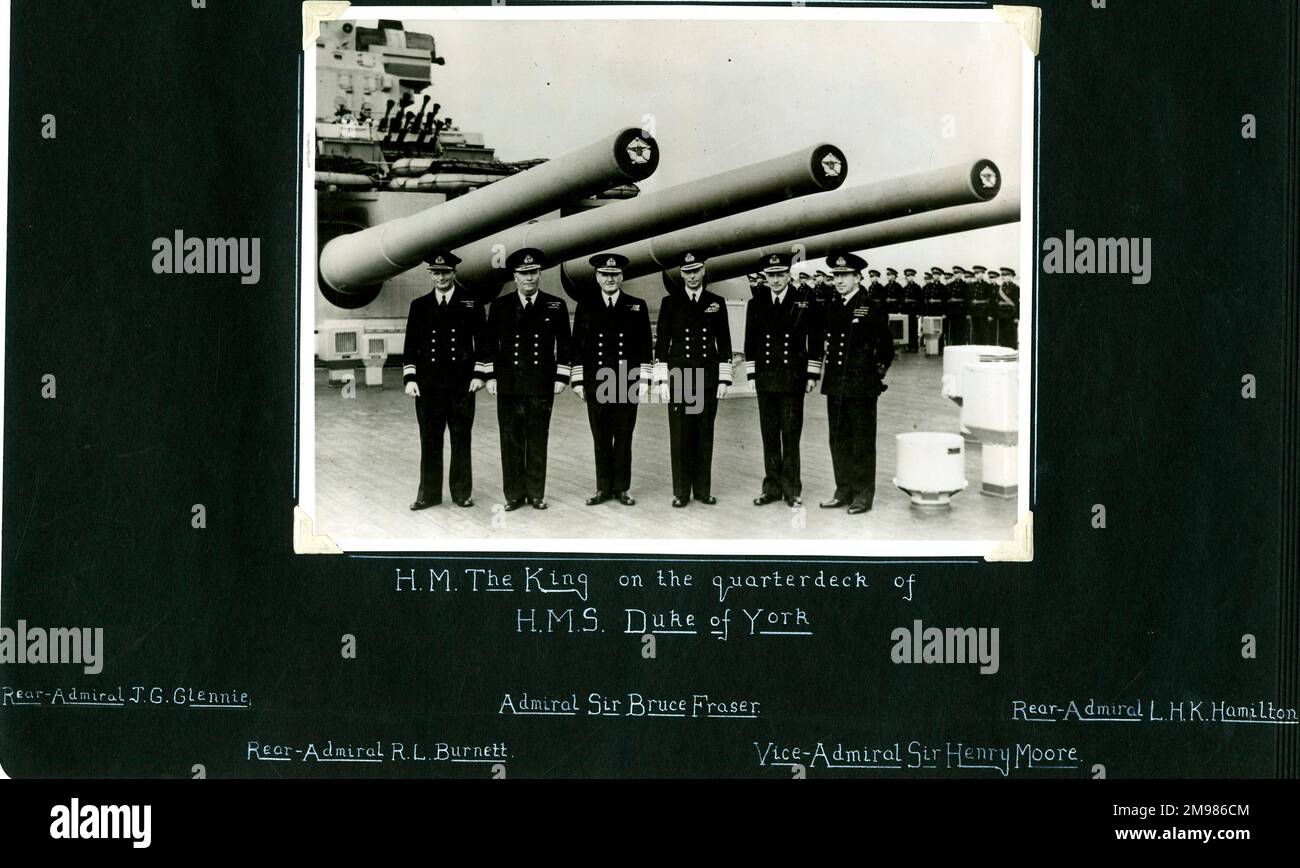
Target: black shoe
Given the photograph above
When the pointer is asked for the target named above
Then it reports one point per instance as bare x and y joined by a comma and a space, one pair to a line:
679, 502
764, 499
512, 505
833, 503
540, 503
707, 500
626, 499
793, 502
858, 509
599, 497
465, 502
424, 504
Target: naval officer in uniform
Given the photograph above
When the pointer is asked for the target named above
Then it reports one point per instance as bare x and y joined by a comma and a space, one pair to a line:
612, 357
783, 352
691, 374
527, 366
444, 348
859, 350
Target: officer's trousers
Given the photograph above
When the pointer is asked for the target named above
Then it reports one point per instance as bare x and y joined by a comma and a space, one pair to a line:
612, 424
525, 424
690, 437
780, 421
438, 411
852, 422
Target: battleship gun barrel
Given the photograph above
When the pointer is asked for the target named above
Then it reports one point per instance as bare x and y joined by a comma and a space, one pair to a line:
960, 184
356, 262
946, 221
809, 170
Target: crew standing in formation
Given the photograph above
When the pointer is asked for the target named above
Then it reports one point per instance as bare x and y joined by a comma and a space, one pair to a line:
827, 328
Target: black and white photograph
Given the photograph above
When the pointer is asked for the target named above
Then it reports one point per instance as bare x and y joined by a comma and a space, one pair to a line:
733, 281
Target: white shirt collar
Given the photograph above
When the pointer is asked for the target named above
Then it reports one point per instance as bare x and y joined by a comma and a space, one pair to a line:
524, 299
605, 299
444, 296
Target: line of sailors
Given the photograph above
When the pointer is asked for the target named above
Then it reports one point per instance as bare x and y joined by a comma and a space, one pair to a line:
979, 305
521, 349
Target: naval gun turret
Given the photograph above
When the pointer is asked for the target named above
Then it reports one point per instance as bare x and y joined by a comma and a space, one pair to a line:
960, 184
354, 266
814, 169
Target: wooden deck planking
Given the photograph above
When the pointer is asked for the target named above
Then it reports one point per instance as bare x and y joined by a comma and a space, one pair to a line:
367, 460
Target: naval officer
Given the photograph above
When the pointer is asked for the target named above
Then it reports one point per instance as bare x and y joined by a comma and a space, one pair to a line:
783, 352
691, 374
859, 350
612, 357
444, 345
527, 366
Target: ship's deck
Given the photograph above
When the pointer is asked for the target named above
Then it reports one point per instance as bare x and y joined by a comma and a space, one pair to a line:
367, 463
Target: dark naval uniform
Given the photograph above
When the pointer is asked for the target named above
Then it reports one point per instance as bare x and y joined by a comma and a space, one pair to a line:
693, 349
444, 350
783, 351
1008, 317
983, 310
859, 350
955, 331
612, 356
528, 353
936, 296
893, 293
913, 301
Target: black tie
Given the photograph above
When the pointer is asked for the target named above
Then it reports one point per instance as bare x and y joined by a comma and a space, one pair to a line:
609, 303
